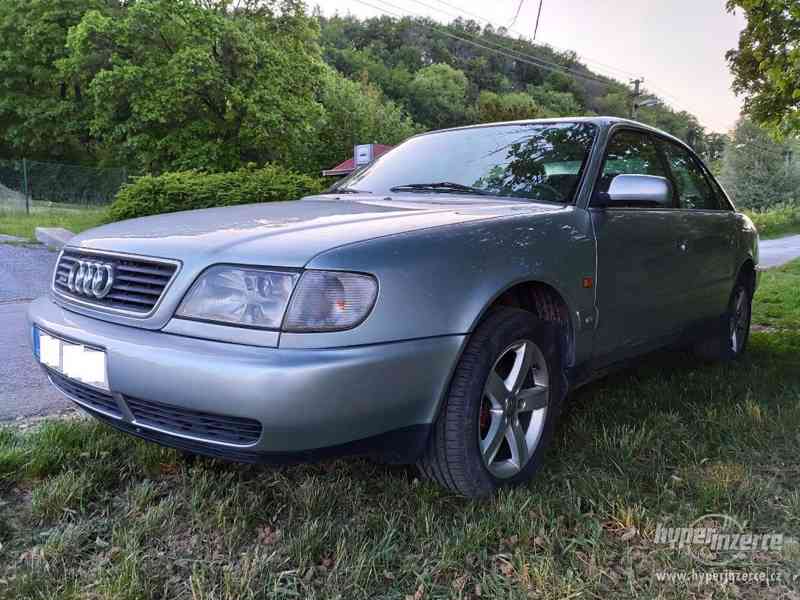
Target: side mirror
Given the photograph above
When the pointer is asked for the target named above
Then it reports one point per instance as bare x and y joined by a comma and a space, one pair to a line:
637, 190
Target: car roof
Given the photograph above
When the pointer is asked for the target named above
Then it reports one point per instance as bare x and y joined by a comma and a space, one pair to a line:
604, 122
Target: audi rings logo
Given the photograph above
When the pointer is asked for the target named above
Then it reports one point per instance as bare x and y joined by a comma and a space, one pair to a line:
90, 278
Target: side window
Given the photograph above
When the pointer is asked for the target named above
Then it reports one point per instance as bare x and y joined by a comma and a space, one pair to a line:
694, 190
630, 153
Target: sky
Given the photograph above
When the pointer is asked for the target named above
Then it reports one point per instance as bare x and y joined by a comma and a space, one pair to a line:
678, 46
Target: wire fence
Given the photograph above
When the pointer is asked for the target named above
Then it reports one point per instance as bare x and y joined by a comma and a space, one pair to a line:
27, 185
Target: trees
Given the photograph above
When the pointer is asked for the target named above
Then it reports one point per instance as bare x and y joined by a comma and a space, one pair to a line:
176, 84
759, 172
506, 107
44, 113
214, 84
766, 64
355, 112
438, 96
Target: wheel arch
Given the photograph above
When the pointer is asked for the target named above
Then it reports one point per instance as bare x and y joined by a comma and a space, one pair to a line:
543, 300
747, 272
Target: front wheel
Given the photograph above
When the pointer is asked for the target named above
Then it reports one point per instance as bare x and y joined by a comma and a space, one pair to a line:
501, 408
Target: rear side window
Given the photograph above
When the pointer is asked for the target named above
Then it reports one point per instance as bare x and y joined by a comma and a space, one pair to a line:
630, 153
694, 189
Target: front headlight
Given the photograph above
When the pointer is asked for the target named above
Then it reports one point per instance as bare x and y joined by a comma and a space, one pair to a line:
330, 301
240, 296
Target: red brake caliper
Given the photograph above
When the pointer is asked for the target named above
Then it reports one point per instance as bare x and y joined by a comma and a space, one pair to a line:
485, 418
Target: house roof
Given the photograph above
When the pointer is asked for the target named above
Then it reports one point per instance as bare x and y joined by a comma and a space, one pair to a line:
349, 165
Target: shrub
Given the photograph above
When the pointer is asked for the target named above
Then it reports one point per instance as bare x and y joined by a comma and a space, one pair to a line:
781, 220
186, 190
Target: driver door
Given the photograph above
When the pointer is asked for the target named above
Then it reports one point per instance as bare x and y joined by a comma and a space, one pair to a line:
641, 257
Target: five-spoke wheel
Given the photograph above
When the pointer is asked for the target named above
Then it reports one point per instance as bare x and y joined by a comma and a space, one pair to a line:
501, 408
513, 409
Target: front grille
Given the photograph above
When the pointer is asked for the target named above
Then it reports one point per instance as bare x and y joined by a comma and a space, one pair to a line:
138, 282
87, 394
207, 426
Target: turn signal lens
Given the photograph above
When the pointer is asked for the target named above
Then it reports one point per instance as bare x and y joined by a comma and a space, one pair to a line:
330, 301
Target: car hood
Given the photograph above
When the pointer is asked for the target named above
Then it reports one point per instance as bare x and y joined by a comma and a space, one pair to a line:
289, 234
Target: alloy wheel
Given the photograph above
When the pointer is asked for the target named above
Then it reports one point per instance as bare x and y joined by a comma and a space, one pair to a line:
740, 320
513, 409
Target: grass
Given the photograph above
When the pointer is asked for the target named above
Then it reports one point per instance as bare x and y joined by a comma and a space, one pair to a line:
777, 222
90, 513
778, 304
22, 225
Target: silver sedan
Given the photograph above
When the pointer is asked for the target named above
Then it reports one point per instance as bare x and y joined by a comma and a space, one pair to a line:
436, 307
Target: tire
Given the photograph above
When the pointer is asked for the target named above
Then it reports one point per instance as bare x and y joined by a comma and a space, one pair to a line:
468, 451
730, 342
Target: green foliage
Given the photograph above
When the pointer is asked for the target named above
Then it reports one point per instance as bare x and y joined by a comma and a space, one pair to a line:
177, 84
506, 107
438, 96
394, 52
554, 103
43, 112
185, 190
356, 112
759, 172
166, 85
361, 64
766, 64
777, 221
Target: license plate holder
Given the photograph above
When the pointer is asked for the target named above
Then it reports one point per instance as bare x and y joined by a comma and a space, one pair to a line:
73, 360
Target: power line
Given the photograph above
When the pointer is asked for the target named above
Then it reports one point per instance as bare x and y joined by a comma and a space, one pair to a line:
501, 49
516, 16
498, 48
677, 103
462, 11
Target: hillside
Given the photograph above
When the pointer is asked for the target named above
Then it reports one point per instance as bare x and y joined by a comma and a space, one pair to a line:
446, 75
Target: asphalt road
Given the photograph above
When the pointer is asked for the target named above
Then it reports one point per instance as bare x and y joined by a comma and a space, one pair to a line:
24, 390
773, 253
25, 274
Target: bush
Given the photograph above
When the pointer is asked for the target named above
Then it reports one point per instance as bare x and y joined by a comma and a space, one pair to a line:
186, 190
782, 220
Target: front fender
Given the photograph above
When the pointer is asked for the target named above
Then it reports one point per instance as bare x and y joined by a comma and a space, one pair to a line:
440, 281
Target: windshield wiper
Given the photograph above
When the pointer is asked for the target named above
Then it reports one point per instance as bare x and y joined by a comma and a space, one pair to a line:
441, 186
347, 190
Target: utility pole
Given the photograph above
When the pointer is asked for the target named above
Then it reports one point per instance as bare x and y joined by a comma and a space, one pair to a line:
538, 16
637, 92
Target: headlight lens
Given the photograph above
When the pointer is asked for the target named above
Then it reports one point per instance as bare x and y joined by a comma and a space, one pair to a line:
330, 301
240, 296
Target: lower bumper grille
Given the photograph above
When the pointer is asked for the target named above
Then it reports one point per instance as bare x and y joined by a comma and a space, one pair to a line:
171, 441
168, 419
92, 396
183, 421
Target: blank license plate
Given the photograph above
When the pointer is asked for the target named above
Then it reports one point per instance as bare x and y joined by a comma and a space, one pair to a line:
75, 361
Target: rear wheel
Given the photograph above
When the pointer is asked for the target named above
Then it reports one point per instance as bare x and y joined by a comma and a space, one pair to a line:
501, 408
731, 341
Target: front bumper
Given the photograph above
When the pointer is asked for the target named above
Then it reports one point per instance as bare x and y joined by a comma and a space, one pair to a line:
377, 399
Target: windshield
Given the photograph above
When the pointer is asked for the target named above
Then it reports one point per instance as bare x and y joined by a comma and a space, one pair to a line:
534, 161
